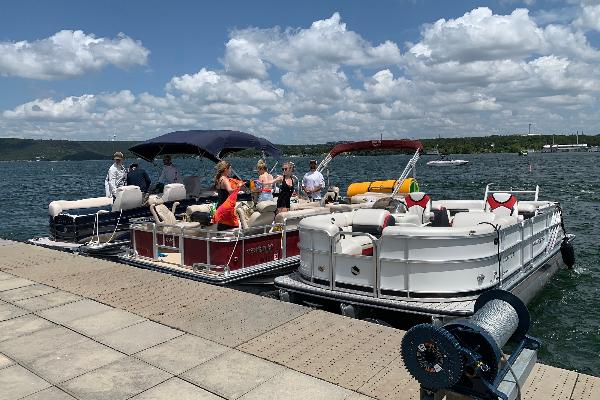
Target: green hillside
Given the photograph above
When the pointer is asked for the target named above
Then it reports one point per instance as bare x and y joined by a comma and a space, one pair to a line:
30, 149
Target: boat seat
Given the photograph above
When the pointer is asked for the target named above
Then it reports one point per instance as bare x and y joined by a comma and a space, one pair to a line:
472, 218
262, 214
192, 184
58, 206
372, 221
293, 217
207, 208
503, 204
368, 197
128, 197
354, 245
163, 216
348, 207
419, 203
171, 192
332, 195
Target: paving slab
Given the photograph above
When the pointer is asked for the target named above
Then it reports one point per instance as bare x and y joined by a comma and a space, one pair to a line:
117, 381
139, 337
4, 275
182, 353
23, 325
52, 393
10, 311
68, 362
71, 311
176, 388
26, 292
47, 301
17, 382
26, 349
13, 283
5, 361
292, 385
104, 322
232, 374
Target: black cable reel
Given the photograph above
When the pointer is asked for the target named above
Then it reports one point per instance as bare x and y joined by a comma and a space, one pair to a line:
465, 356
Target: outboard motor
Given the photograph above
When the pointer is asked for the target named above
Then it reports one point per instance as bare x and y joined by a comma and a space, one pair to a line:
464, 357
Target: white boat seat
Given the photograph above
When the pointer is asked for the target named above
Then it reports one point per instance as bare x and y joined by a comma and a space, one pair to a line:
206, 208
354, 245
163, 216
192, 184
502, 204
128, 197
348, 207
173, 192
372, 221
419, 203
472, 218
57, 206
264, 214
407, 219
293, 217
368, 197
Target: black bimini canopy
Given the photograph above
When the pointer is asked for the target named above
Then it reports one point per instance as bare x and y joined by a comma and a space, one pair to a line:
213, 145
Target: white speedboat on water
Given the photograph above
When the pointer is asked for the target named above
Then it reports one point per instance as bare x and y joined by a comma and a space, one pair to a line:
434, 259
446, 162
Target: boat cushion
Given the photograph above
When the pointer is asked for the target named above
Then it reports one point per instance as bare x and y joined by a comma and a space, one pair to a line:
419, 203
354, 245
371, 221
58, 206
128, 197
173, 192
205, 208
472, 218
503, 204
266, 206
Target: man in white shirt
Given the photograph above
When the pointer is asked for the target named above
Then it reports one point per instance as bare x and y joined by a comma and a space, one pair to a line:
170, 173
313, 182
116, 177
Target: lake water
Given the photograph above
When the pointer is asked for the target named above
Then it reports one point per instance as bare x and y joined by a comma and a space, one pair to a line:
566, 315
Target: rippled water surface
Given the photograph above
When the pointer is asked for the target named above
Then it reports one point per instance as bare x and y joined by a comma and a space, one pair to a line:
566, 314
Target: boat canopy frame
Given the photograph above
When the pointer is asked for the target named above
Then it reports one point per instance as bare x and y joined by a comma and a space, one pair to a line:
210, 144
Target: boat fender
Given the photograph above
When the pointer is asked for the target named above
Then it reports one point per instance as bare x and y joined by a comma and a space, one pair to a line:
567, 252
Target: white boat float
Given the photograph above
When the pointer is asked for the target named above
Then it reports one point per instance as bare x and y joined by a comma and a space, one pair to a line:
433, 259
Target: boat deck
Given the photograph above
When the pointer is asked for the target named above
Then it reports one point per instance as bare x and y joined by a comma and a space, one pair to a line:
101, 330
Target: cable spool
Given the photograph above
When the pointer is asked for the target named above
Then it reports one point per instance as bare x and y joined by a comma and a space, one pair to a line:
465, 355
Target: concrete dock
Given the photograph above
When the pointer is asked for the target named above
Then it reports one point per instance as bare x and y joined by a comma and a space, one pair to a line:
78, 327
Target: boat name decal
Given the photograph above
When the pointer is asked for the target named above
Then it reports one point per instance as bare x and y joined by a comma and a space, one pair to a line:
267, 248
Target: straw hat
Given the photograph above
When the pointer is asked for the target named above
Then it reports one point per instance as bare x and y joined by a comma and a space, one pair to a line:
118, 156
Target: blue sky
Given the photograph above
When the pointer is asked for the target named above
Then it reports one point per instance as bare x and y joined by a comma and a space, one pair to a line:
333, 69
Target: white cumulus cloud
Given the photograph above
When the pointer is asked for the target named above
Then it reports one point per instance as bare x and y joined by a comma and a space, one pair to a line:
67, 54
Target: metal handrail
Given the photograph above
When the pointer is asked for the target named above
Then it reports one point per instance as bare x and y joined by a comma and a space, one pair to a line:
410, 166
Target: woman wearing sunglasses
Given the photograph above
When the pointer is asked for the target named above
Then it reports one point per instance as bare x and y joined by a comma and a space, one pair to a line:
286, 187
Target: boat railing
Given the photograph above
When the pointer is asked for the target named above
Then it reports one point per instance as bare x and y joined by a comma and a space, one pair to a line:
519, 246
488, 191
173, 237
410, 166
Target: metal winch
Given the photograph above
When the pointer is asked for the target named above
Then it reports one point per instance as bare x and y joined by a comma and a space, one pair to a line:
464, 358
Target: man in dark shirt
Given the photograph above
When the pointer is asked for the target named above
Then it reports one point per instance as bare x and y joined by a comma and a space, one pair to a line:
138, 177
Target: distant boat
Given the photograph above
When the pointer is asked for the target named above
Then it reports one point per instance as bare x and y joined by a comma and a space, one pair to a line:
445, 162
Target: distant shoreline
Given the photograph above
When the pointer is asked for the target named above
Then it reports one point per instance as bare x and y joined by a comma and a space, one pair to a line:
13, 149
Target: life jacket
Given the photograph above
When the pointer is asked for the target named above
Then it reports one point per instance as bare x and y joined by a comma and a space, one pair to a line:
410, 202
225, 213
510, 203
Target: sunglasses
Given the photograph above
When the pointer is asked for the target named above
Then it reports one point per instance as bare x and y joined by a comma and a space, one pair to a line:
284, 169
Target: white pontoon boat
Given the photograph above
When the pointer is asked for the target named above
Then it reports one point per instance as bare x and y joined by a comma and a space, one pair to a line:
434, 259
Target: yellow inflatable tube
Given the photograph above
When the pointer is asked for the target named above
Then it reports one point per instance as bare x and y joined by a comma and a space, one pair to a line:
409, 185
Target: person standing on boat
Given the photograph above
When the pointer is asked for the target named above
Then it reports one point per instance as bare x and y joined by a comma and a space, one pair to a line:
286, 189
264, 184
225, 216
313, 182
138, 177
170, 173
116, 177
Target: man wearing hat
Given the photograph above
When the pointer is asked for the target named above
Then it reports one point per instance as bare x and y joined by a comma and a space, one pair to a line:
313, 182
116, 177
